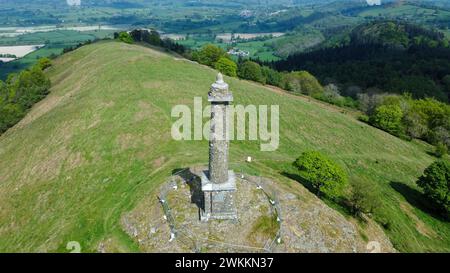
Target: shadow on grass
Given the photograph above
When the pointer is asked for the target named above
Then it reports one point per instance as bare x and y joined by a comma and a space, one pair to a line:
306, 183
341, 204
417, 200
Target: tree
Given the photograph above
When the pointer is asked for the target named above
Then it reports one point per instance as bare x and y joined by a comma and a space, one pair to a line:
125, 37
44, 63
19, 93
435, 116
251, 71
388, 118
302, 82
136, 34
272, 77
227, 67
3, 92
152, 38
435, 183
325, 175
10, 114
209, 55
446, 81
363, 198
415, 124
441, 150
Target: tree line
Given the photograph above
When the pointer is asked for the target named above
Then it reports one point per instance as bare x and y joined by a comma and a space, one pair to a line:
382, 57
405, 117
20, 91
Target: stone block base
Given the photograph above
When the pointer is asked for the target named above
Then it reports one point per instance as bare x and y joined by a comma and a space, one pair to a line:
218, 199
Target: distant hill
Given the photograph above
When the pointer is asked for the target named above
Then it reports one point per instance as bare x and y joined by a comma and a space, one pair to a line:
392, 56
397, 35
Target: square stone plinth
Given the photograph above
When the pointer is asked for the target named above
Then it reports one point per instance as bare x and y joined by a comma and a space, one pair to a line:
218, 198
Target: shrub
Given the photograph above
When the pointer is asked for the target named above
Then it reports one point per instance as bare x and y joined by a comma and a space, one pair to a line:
441, 150
251, 71
325, 175
227, 67
44, 63
271, 76
436, 186
388, 118
363, 198
10, 114
302, 82
364, 118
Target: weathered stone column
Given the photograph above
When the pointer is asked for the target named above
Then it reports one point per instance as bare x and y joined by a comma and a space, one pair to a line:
220, 98
218, 183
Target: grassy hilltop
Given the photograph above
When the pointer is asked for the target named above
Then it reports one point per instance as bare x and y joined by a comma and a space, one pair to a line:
100, 143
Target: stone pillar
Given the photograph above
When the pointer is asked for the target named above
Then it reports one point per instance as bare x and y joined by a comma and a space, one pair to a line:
219, 183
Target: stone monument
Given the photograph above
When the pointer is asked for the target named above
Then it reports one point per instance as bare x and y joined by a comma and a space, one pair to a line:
218, 182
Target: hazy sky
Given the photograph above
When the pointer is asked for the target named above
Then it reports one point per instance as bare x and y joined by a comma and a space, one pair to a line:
73, 2
374, 2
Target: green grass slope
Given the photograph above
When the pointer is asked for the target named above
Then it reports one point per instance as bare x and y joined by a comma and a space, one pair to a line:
100, 143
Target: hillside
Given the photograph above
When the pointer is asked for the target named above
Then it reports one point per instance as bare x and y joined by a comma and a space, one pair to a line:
387, 56
99, 145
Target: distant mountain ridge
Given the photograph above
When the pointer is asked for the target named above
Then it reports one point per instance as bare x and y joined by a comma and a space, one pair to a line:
394, 34
389, 56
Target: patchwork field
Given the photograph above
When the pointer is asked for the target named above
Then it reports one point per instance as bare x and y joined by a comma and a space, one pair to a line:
53, 41
100, 144
18, 51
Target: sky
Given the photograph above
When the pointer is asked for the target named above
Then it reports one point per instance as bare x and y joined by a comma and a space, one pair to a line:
73, 2
374, 2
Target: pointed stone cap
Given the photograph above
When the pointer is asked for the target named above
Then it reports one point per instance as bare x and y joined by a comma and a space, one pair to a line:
219, 91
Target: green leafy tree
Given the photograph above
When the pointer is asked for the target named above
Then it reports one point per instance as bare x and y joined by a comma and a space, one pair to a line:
435, 116
209, 55
227, 67
388, 118
325, 176
435, 183
303, 82
125, 37
10, 114
44, 63
19, 93
251, 71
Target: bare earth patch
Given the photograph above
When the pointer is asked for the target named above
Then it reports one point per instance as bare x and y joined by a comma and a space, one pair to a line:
145, 111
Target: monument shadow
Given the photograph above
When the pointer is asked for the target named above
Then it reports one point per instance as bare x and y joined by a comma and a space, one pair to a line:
195, 187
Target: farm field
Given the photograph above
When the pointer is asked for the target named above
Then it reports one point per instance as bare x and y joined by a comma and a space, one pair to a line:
54, 43
259, 49
18, 51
